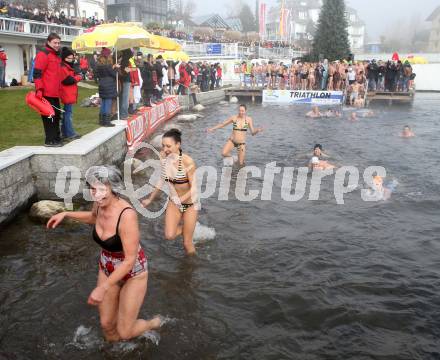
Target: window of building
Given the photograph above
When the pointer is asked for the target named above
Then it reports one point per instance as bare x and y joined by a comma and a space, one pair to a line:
84, 14
302, 15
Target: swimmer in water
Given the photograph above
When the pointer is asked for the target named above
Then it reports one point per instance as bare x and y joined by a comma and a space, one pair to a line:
330, 113
240, 125
368, 114
316, 164
407, 132
123, 270
317, 151
314, 113
379, 191
353, 117
178, 171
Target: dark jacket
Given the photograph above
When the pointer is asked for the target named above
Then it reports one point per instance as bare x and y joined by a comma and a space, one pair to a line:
106, 76
147, 76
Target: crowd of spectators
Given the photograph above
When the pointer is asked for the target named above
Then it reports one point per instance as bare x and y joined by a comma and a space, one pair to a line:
182, 35
36, 13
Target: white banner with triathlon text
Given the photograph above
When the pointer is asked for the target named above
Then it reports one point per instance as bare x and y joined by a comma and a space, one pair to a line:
302, 97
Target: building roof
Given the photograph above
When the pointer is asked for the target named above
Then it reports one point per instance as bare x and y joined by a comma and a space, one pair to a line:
434, 14
212, 20
234, 24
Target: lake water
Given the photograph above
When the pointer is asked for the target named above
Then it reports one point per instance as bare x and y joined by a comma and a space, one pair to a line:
280, 280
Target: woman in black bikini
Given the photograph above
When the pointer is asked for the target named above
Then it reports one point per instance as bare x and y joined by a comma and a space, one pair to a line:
241, 123
178, 171
123, 272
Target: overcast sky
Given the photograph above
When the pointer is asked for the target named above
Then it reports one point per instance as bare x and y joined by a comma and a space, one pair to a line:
377, 14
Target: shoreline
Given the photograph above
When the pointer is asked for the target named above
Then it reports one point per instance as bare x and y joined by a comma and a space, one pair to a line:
28, 173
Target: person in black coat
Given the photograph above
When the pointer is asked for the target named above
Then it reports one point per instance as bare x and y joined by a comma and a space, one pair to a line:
158, 68
147, 80
106, 75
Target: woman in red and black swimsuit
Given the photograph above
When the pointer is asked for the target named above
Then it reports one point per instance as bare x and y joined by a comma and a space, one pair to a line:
123, 272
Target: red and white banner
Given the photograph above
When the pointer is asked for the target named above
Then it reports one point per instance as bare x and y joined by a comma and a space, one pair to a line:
145, 123
262, 20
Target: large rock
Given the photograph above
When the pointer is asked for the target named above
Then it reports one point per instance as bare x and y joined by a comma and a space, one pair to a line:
134, 164
157, 141
42, 211
187, 117
198, 107
170, 126
233, 100
223, 102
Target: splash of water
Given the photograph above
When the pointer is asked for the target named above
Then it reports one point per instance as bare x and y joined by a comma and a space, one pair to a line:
203, 233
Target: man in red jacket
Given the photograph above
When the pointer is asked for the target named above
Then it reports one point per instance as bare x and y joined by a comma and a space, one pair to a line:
47, 85
184, 80
3, 60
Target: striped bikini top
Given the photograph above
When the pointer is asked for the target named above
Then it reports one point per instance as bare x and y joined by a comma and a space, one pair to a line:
244, 128
181, 177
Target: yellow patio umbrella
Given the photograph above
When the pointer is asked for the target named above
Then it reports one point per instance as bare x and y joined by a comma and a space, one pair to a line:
165, 44
416, 60
174, 55
118, 36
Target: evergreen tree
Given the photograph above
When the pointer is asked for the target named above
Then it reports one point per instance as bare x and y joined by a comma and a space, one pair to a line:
247, 18
257, 15
331, 39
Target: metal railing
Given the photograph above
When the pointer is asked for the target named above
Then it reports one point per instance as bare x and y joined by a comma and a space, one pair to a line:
278, 53
38, 29
237, 51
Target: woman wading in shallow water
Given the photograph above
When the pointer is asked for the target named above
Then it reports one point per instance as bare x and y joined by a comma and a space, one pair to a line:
240, 125
178, 171
123, 271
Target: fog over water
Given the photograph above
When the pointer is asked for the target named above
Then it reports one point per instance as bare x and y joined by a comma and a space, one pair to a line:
368, 11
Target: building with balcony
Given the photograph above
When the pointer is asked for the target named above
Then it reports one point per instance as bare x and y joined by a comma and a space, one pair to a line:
21, 40
303, 16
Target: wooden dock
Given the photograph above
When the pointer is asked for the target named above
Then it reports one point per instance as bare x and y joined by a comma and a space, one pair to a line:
390, 97
248, 92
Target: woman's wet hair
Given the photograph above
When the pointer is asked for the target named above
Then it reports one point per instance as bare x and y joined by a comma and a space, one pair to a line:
175, 134
243, 106
317, 146
106, 175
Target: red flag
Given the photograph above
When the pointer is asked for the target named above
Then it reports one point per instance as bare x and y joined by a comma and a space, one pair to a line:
262, 17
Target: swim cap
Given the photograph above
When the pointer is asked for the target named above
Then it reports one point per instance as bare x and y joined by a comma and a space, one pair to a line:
318, 146
315, 160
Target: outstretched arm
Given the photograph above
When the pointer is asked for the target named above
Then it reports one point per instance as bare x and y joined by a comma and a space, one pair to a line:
254, 131
86, 217
222, 125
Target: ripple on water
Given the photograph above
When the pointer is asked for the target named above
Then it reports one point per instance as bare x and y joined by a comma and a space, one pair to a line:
272, 279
